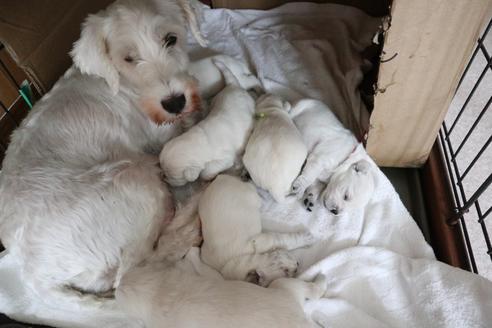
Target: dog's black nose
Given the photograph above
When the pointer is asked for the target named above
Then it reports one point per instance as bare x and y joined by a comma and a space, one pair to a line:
334, 210
175, 104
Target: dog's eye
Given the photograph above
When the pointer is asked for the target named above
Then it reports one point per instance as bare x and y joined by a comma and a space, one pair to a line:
170, 40
129, 59
346, 197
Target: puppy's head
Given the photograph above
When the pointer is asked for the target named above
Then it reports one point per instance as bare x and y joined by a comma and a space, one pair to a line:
138, 47
349, 188
270, 101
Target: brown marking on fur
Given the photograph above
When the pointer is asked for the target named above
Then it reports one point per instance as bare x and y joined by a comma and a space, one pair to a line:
156, 114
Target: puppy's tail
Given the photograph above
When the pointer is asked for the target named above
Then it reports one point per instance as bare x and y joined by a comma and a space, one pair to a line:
229, 77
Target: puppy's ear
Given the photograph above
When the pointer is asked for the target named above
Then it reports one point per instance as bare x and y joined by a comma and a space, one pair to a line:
91, 53
189, 11
361, 166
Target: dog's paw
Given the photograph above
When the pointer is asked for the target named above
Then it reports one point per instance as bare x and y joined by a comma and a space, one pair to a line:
191, 173
298, 186
281, 265
309, 200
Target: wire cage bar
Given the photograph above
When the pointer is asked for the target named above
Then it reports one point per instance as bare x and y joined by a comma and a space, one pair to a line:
460, 168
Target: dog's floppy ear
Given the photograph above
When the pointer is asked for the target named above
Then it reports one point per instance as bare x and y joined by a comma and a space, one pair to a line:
190, 16
91, 54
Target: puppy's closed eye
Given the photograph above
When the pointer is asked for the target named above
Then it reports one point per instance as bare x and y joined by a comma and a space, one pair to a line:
346, 197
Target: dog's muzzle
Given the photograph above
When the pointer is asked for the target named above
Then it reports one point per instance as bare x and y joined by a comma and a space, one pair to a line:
175, 104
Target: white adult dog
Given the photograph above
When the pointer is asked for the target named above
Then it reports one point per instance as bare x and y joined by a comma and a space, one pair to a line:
82, 200
169, 296
233, 242
329, 143
214, 144
275, 151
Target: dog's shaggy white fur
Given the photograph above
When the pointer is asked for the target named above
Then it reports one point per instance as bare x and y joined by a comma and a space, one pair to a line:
214, 144
82, 199
168, 296
328, 142
233, 242
275, 151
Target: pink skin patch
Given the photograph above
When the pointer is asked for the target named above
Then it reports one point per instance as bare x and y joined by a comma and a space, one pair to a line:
159, 115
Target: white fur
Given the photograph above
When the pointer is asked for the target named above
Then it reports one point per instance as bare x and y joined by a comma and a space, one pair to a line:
275, 151
328, 142
168, 296
351, 186
233, 242
82, 198
214, 144
211, 79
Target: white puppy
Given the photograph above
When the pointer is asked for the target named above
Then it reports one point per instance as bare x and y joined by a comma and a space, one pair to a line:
214, 144
210, 77
169, 296
328, 142
275, 151
81, 194
350, 186
233, 242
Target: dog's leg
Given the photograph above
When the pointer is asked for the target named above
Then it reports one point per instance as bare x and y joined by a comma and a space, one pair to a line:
212, 169
269, 241
315, 165
312, 194
302, 290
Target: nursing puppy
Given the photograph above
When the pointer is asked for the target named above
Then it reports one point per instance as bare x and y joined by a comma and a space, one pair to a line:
275, 151
215, 143
328, 142
81, 194
170, 296
233, 242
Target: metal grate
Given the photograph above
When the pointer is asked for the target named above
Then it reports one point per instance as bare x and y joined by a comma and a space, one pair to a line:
465, 137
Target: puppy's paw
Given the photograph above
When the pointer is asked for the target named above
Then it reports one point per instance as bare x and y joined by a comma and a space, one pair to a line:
281, 265
298, 186
191, 173
309, 200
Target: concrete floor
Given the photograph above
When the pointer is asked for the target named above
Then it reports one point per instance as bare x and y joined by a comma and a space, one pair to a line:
483, 167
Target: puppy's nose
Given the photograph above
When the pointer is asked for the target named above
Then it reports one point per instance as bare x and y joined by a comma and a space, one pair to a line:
334, 210
175, 104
